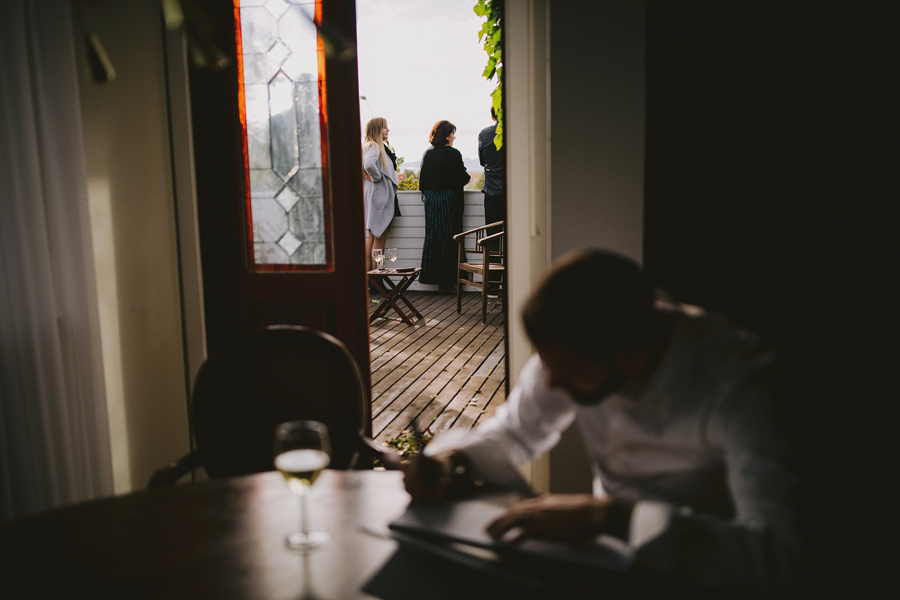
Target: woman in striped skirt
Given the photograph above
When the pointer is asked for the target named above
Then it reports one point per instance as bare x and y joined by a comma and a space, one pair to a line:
441, 179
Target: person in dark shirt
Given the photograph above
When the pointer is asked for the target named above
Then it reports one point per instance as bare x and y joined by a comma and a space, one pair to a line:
442, 178
494, 163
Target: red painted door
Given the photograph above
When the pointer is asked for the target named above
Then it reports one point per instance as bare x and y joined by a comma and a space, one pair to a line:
278, 172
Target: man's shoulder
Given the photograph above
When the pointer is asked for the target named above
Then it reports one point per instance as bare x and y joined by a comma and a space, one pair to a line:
490, 130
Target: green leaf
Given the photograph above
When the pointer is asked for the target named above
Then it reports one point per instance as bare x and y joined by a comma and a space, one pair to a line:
492, 33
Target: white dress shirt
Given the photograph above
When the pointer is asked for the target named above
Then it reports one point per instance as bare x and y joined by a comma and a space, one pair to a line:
696, 447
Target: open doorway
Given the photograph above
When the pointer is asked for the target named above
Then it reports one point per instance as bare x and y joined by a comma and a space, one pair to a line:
421, 62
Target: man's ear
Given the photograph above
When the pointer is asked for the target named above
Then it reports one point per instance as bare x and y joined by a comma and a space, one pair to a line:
632, 361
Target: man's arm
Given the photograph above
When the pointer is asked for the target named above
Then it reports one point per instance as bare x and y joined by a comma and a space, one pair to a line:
528, 424
481, 148
756, 550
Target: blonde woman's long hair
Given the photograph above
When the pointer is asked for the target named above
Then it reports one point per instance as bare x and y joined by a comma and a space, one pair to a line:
374, 128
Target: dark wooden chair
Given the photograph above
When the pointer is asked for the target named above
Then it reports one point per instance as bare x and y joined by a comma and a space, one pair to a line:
265, 377
491, 252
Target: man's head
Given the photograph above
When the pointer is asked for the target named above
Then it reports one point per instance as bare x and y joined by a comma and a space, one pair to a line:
493, 114
590, 318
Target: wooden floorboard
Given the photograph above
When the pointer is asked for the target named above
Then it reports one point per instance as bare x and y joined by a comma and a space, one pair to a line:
446, 370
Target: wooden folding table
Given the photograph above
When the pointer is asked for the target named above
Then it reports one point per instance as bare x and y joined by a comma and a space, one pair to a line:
392, 293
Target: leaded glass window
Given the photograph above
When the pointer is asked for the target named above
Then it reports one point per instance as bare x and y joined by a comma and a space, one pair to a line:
281, 80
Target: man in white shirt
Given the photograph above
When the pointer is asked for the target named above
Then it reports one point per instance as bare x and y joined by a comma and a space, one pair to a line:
673, 405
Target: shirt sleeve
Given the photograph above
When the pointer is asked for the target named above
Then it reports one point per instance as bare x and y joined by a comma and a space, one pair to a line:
462, 176
370, 161
758, 548
481, 148
528, 424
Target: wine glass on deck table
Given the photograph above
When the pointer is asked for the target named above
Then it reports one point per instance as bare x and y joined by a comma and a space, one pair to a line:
391, 254
302, 451
378, 258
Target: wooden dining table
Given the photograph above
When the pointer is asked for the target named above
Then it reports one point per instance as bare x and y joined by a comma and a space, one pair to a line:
225, 539
218, 539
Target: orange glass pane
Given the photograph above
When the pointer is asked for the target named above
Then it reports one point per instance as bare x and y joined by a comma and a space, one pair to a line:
281, 83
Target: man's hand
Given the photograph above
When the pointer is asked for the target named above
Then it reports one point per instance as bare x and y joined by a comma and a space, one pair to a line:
564, 517
427, 478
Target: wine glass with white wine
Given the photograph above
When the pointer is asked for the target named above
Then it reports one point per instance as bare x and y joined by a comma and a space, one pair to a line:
391, 254
302, 451
378, 258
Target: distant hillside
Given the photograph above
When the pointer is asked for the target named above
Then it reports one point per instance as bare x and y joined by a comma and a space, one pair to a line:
472, 165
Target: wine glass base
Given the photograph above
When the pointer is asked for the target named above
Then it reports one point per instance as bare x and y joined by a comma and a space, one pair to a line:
310, 542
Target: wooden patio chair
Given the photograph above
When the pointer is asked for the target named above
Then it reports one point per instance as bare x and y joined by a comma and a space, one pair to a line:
494, 258
265, 377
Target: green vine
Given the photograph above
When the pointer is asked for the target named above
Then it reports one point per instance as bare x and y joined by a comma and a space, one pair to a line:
492, 34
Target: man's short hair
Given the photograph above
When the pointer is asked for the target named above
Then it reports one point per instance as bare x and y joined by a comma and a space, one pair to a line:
593, 301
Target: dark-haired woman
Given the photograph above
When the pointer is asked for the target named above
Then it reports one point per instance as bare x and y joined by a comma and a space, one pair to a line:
442, 178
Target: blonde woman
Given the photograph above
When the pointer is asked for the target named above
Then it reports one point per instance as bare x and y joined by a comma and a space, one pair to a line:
379, 188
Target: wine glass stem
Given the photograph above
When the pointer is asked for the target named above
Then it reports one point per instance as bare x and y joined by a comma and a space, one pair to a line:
304, 510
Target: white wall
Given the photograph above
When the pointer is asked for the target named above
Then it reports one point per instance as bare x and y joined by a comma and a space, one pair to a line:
133, 217
528, 143
574, 96
597, 154
597, 126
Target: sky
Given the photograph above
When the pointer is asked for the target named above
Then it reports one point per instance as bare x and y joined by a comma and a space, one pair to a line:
420, 61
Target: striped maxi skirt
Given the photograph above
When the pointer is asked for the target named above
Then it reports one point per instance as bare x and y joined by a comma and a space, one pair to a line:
443, 220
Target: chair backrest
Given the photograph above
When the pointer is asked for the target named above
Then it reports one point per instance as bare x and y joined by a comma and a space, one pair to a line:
497, 247
268, 376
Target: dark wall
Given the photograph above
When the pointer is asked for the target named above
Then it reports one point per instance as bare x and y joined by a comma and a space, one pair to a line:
771, 184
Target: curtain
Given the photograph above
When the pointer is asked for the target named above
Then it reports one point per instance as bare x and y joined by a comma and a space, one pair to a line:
54, 440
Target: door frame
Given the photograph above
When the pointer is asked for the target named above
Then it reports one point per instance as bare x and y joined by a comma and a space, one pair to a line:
339, 296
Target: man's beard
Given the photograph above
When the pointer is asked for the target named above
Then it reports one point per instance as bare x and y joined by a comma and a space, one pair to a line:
616, 381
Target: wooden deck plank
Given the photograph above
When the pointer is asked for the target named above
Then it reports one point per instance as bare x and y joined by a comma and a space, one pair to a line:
419, 347
497, 399
424, 346
493, 393
454, 381
434, 414
434, 359
419, 371
421, 392
440, 317
433, 308
387, 327
465, 395
392, 364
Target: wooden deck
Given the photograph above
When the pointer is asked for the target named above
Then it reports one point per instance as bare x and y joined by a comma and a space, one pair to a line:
447, 370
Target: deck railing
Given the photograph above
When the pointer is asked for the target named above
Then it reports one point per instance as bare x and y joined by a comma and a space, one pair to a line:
407, 233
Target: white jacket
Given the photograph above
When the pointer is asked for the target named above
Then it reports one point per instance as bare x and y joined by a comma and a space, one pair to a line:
379, 193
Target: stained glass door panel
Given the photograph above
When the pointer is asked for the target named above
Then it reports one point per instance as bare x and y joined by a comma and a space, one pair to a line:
282, 94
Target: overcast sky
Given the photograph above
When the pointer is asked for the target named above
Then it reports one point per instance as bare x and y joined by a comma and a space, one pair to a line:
420, 61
